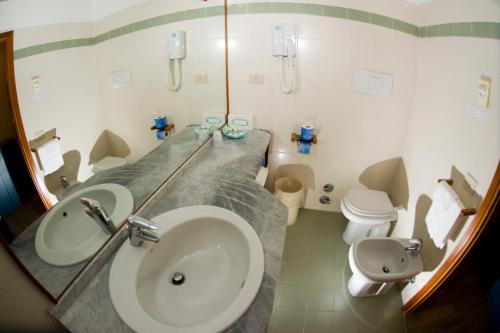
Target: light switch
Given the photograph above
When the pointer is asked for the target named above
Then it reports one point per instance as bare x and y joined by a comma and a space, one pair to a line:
200, 79
121, 78
372, 83
483, 92
256, 79
36, 86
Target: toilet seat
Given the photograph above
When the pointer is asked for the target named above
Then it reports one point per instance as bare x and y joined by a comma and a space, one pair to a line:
369, 203
108, 162
364, 219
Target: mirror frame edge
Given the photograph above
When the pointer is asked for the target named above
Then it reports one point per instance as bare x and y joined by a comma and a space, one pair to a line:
7, 38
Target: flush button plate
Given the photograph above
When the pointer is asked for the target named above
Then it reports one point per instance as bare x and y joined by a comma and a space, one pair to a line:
372, 83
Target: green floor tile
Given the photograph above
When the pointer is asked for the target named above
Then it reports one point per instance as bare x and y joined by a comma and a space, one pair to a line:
318, 322
320, 299
295, 274
288, 321
321, 277
293, 297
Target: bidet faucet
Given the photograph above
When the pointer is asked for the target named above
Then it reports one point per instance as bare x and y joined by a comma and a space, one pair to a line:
64, 181
140, 229
95, 210
414, 246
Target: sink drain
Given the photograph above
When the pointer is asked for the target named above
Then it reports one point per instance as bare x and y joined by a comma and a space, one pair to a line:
386, 269
177, 278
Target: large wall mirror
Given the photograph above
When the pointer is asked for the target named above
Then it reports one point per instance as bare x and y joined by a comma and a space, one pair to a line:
92, 97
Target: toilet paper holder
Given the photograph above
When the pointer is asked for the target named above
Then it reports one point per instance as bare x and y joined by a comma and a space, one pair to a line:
166, 129
296, 137
465, 211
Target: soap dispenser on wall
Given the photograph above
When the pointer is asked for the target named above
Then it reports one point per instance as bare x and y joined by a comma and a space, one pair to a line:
175, 50
285, 40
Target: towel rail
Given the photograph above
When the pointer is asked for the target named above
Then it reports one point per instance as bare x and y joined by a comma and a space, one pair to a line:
465, 211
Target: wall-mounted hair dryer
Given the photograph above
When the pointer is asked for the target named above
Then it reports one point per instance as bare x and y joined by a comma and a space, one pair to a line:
175, 50
285, 40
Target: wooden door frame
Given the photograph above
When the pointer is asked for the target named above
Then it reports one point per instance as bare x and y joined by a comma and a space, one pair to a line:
8, 39
484, 216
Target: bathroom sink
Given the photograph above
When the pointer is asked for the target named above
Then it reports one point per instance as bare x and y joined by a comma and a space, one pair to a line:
216, 259
385, 259
67, 235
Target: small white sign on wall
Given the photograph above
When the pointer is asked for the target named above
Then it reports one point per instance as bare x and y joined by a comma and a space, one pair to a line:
121, 78
372, 83
36, 85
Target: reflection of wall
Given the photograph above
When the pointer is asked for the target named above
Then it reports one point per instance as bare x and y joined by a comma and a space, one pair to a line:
441, 134
69, 78
356, 130
6, 127
80, 94
142, 52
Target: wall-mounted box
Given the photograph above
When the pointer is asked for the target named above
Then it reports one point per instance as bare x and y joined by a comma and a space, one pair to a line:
372, 83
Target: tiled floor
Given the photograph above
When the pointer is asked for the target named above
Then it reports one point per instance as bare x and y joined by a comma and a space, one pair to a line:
313, 295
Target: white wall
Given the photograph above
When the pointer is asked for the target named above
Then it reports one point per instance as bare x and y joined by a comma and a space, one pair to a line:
424, 121
442, 134
355, 130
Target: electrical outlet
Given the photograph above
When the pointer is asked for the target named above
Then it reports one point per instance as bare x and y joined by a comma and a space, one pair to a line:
200, 79
256, 79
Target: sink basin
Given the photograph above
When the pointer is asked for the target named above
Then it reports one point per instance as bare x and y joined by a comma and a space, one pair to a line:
67, 235
220, 258
385, 259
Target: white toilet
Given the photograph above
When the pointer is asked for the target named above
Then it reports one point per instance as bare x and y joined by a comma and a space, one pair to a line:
108, 162
369, 213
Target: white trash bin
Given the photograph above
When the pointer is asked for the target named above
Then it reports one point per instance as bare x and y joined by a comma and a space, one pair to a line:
290, 192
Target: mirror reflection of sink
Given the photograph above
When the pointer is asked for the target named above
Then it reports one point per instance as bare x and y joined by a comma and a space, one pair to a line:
67, 235
201, 276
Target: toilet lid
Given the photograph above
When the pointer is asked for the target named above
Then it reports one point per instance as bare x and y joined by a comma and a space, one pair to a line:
369, 202
109, 162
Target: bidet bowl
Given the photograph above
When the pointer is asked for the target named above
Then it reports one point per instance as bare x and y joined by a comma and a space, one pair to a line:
201, 276
385, 259
67, 235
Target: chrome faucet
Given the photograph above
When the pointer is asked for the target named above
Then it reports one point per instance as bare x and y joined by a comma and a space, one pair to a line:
64, 181
140, 229
94, 209
414, 246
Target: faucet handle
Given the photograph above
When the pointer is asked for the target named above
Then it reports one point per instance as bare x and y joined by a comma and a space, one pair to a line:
416, 241
140, 222
91, 203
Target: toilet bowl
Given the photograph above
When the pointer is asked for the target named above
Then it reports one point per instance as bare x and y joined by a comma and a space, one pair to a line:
369, 213
377, 263
108, 162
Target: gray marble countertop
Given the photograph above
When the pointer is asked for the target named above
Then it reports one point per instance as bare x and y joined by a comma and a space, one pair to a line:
219, 176
141, 178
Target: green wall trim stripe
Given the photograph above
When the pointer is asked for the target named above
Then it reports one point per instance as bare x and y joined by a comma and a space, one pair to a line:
459, 29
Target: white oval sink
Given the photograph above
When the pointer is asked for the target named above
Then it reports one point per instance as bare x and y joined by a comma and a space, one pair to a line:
67, 235
220, 256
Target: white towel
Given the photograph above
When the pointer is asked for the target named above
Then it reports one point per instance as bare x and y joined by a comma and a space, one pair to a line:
443, 214
49, 156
